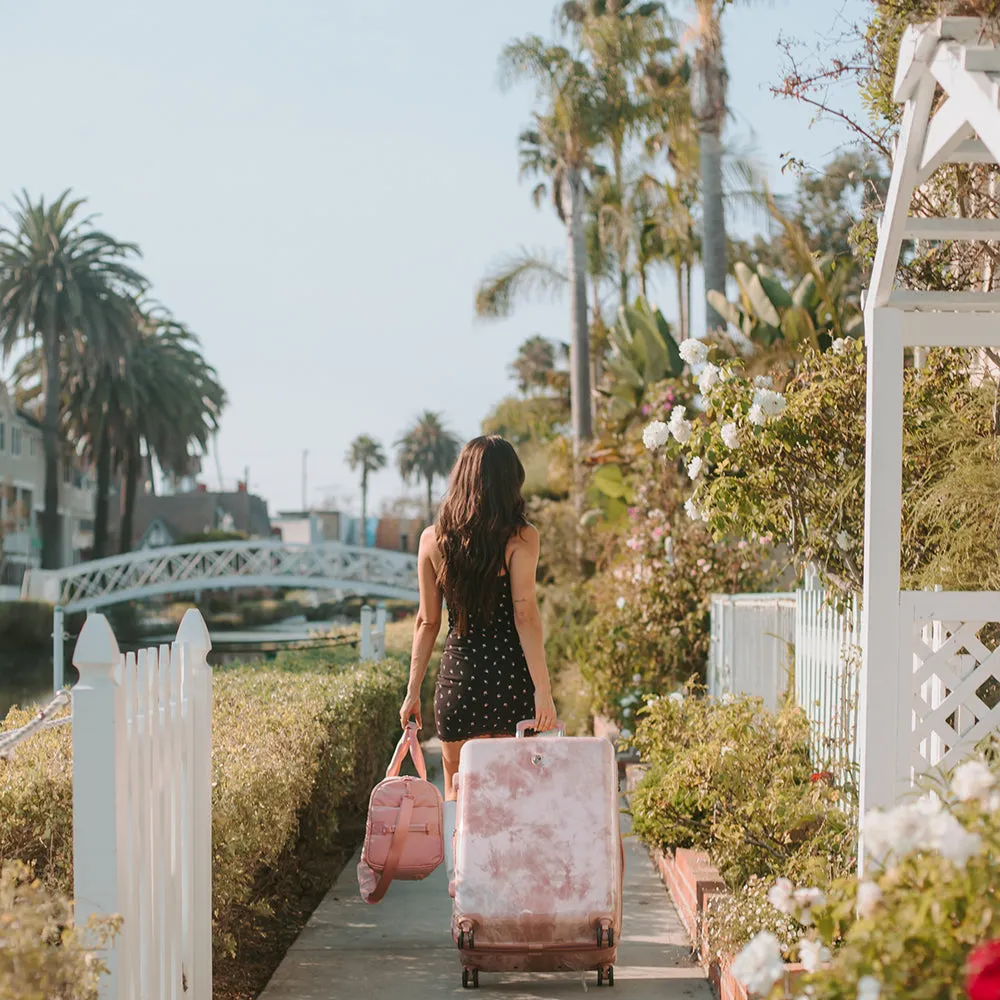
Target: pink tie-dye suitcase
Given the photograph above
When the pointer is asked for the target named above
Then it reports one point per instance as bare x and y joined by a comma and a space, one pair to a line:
538, 857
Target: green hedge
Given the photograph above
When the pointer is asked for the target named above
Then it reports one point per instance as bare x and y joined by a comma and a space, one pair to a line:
295, 752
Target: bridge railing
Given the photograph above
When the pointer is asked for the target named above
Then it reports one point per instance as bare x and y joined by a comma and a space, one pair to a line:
142, 813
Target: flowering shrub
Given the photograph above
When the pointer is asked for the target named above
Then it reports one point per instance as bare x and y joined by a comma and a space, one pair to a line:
787, 461
926, 921
651, 629
42, 955
733, 779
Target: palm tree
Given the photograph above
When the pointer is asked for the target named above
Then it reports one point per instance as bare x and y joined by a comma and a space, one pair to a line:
621, 39
174, 401
534, 364
558, 147
367, 455
159, 398
428, 449
709, 83
66, 288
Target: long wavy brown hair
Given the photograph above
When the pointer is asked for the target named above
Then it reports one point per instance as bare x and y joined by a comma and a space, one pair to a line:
483, 508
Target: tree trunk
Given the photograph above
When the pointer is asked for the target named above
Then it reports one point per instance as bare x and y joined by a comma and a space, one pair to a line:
679, 271
51, 533
430, 497
642, 282
713, 237
687, 299
102, 502
133, 461
364, 508
580, 403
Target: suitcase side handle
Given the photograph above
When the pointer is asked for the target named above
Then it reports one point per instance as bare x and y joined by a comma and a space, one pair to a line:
529, 725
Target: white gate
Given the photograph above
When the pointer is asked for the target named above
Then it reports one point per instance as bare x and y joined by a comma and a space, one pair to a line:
142, 808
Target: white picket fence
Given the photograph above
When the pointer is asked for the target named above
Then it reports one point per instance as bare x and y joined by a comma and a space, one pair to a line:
142, 814
751, 638
827, 670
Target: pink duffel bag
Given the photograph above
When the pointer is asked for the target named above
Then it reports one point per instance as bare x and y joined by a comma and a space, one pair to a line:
404, 838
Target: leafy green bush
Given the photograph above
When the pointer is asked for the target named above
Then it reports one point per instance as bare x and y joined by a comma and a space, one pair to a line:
736, 781
294, 752
43, 957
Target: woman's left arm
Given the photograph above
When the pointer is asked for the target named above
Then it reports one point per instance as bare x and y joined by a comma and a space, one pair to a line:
427, 627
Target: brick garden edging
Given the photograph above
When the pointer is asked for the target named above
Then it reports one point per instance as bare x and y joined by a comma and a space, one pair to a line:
693, 881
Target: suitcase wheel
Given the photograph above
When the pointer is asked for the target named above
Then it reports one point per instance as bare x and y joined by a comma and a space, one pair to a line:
470, 979
610, 932
606, 977
467, 939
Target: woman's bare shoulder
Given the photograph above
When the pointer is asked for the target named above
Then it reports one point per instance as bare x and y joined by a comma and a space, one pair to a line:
525, 537
429, 540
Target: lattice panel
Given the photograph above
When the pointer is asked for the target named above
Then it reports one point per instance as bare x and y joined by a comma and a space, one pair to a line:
955, 688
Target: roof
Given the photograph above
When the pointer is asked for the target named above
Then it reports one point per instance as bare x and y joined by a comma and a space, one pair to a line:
195, 513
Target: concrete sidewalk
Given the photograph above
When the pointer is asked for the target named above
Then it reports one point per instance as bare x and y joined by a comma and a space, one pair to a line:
401, 948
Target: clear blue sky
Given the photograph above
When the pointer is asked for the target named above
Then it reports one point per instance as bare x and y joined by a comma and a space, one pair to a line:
317, 187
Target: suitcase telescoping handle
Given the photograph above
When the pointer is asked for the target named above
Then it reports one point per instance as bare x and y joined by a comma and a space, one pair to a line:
523, 728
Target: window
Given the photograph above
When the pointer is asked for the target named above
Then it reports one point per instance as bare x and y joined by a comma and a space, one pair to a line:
404, 542
15, 440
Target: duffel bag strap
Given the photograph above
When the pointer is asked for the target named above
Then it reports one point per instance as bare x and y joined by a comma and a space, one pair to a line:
395, 849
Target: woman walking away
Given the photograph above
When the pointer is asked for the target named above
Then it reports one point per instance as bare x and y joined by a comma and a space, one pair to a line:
481, 556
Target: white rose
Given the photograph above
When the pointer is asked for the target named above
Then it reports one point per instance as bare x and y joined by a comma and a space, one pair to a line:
708, 378
655, 435
692, 510
781, 896
730, 435
839, 346
813, 955
694, 467
869, 897
763, 382
772, 403
756, 415
620, 603
677, 698
759, 965
694, 352
972, 780
869, 988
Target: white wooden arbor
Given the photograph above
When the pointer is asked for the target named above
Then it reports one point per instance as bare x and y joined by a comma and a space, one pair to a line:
924, 663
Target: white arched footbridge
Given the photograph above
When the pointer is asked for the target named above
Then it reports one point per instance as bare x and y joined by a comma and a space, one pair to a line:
183, 569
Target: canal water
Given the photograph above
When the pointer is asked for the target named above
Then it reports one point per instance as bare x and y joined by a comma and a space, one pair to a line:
26, 675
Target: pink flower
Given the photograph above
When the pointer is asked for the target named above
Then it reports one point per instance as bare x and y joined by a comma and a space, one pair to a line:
657, 533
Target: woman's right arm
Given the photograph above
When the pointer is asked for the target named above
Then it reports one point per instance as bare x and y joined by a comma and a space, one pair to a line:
528, 621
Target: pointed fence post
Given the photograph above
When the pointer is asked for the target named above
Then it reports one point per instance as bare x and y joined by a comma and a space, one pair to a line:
58, 648
194, 642
99, 788
367, 645
380, 620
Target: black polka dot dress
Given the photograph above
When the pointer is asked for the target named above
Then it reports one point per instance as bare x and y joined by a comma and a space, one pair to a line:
483, 686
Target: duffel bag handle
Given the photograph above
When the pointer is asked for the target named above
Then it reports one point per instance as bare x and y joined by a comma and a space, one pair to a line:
408, 744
